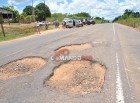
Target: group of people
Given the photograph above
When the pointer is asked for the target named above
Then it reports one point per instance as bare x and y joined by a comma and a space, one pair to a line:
37, 25
55, 23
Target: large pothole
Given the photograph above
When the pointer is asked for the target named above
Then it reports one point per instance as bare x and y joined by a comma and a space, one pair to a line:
78, 77
21, 67
76, 47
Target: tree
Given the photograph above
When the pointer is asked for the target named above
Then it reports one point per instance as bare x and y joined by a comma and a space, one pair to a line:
117, 18
128, 12
57, 15
136, 14
28, 10
7, 8
131, 15
42, 11
82, 14
98, 18
124, 16
22, 17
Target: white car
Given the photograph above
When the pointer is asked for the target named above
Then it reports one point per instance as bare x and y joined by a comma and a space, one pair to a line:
43, 23
78, 23
69, 23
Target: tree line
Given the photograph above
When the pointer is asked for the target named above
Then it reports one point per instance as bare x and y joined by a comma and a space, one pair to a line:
127, 14
41, 12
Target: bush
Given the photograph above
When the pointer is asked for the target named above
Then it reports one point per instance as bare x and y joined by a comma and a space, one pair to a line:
133, 22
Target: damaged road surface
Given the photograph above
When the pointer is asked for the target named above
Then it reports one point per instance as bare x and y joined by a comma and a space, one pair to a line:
78, 77
21, 67
28, 75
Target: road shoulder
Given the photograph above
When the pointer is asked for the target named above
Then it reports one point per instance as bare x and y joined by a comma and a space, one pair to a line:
129, 27
31, 36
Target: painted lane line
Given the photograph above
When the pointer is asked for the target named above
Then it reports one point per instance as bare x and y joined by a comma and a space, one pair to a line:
124, 65
114, 30
114, 33
119, 89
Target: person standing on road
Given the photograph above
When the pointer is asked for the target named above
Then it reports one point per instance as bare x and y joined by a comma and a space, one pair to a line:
37, 27
46, 25
55, 24
64, 24
84, 21
73, 23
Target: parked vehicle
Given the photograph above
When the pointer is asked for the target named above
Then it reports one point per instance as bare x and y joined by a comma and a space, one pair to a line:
81, 24
78, 23
84, 21
69, 23
42, 23
88, 21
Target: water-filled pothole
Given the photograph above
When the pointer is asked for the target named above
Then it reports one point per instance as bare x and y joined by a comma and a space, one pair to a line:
21, 67
78, 77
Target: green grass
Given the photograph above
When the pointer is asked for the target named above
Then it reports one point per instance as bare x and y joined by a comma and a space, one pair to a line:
12, 36
15, 31
52, 19
97, 21
133, 22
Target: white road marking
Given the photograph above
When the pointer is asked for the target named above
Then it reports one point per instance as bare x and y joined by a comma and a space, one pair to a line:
114, 32
119, 89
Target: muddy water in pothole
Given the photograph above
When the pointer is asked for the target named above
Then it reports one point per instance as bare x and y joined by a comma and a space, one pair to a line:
78, 77
21, 67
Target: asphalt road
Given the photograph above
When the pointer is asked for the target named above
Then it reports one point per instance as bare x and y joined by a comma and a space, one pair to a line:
114, 45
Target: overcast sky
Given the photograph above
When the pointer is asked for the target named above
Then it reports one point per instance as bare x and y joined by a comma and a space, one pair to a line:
108, 9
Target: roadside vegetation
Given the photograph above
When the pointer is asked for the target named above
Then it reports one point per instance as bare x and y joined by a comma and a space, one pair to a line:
99, 20
129, 18
24, 24
60, 16
16, 30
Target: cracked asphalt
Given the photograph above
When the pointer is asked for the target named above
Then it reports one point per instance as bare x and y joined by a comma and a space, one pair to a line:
113, 45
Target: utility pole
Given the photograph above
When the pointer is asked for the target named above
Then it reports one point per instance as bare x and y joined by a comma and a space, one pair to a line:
33, 9
45, 10
1, 22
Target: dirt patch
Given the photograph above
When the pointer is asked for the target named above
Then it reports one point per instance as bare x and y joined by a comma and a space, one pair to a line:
137, 29
78, 77
21, 67
76, 47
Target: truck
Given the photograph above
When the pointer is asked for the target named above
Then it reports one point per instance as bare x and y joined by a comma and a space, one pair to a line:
88, 21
